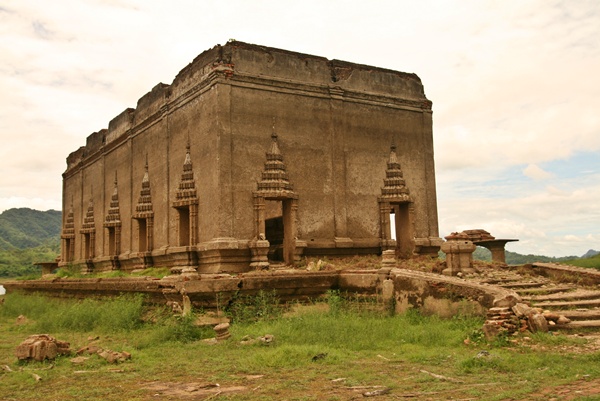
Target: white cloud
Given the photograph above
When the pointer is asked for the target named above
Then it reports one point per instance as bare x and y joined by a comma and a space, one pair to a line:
533, 171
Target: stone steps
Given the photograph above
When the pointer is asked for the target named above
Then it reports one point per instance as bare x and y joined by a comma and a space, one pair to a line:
520, 285
574, 295
577, 325
579, 304
587, 314
543, 290
553, 305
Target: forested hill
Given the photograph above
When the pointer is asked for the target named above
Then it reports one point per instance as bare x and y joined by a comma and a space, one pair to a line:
27, 228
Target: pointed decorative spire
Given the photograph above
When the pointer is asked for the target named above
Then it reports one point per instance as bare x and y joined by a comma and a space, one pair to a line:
113, 217
186, 192
393, 157
146, 178
69, 228
144, 205
275, 182
394, 188
88, 220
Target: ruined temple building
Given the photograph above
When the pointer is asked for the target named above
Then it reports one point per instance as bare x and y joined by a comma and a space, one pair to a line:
255, 156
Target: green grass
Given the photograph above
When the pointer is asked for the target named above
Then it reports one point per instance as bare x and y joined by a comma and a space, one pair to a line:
364, 346
593, 262
71, 271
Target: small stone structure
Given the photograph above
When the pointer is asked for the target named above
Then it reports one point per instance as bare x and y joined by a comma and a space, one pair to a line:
459, 254
485, 239
256, 156
41, 346
47, 267
222, 331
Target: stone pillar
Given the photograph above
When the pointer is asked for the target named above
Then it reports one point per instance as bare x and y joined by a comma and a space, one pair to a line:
193, 224
149, 234
117, 240
384, 221
459, 254
63, 250
388, 259
290, 208
299, 250
259, 250
92, 245
259, 215
497, 250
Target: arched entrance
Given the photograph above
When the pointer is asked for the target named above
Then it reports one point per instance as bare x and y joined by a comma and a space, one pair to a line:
396, 210
275, 206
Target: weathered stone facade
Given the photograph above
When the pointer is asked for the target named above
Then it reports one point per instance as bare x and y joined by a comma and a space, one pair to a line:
254, 155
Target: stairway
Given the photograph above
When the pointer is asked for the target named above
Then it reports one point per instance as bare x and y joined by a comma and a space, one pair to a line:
580, 304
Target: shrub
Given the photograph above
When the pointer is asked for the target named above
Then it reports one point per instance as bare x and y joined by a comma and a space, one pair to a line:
246, 308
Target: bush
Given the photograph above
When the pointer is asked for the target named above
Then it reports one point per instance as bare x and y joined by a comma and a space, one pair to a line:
245, 309
177, 328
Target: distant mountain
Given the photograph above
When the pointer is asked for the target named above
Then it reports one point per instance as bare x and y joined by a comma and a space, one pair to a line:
28, 236
27, 228
513, 258
590, 253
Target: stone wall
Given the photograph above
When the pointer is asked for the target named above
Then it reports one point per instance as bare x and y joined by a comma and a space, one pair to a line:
428, 292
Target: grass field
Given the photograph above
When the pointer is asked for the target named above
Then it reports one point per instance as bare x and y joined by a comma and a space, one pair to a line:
329, 350
593, 262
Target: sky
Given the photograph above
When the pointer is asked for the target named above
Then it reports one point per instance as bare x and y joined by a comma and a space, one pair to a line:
515, 87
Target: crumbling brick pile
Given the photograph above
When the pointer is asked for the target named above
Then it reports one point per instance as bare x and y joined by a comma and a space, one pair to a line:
520, 317
500, 320
41, 346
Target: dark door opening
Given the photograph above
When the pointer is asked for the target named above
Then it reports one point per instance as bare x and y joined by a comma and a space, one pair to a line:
274, 230
112, 240
401, 229
278, 230
69, 248
87, 251
142, 235
184, 226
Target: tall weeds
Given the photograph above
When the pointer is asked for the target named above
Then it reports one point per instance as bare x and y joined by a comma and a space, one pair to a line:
123, 313
246, 308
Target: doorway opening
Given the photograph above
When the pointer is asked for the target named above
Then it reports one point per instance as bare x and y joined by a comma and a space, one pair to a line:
401, 229
142, 235
112, 241
274, 229
69, 249
279, 230
87, 246
184, 226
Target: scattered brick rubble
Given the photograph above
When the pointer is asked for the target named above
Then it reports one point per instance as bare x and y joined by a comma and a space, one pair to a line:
108, 355
520, 317
39, 347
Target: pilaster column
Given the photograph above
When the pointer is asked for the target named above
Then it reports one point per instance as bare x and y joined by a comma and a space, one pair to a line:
149, 234
384, 220
193, 224
290, 208
117, 240
259, 215
92, 245
63, 250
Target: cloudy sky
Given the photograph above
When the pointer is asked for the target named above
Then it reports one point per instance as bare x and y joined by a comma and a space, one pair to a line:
515, 87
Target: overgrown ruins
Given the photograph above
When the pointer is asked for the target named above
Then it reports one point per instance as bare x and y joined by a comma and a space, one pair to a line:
255, 155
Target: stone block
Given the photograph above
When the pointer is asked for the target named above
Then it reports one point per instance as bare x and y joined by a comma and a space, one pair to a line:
41, 346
